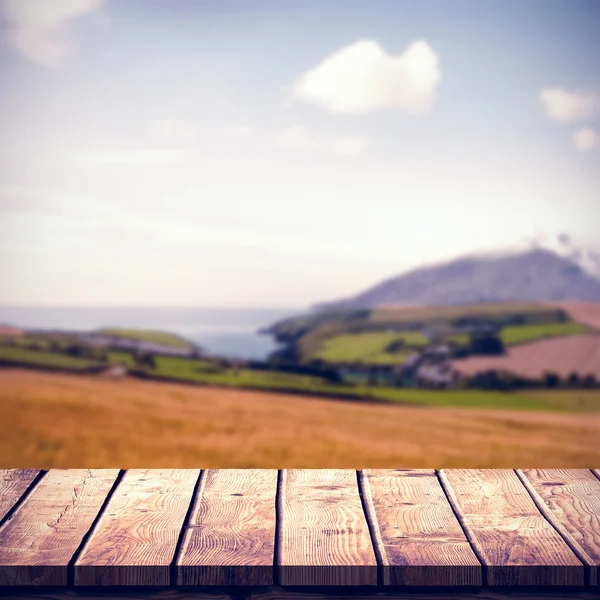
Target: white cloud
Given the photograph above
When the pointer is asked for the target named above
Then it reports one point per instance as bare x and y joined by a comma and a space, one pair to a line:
586, 139
172, 128
297, 138
240, 131
362, 77
563, 105
138, 157
39, 29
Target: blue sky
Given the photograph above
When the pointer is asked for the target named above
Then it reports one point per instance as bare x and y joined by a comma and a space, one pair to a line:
284, 153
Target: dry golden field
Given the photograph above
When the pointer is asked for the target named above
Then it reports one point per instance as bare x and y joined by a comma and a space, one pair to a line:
52, 420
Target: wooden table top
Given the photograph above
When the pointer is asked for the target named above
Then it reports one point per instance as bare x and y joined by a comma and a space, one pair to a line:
300, 527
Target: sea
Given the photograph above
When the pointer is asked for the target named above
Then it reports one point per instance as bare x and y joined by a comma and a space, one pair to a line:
226, 332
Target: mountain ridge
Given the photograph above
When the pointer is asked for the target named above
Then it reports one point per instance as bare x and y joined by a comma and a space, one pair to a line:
534, 273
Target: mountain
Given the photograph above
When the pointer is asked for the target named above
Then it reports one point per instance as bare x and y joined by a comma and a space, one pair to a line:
530, 272
562, 244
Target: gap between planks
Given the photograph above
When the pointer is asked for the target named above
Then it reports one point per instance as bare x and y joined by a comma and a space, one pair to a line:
364, 492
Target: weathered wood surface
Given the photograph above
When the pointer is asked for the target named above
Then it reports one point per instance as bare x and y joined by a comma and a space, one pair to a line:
13, 484
43, 534
135, 540
217, 531
510, 535
279, 593
230, 539
324, 537
570, 500
419, 539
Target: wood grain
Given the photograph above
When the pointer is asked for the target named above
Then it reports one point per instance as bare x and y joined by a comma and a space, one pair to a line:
13, 484
230, 539
43, 534
422, 594
516, 543
294, 594
570, 500
323, 537
420, 541
135, 540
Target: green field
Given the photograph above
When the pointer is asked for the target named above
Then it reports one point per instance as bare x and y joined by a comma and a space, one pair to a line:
460, 339
42, 358
155, 337
205, 372
370, 347
528, 333
310, 335
123, 358
187, 370
579, 400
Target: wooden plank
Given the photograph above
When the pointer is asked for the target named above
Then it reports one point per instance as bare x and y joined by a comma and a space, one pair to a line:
323, 536
13, 484
510, 535
570, 500
43, 534
230, 539
295, 594
420, 540
128, 593
134, 541
421, 594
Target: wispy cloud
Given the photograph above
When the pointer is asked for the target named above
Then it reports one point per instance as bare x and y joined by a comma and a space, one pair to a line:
298, 138
564, 105
41, 29
148, 156
172, 129
586, 139
363, 77
240, 131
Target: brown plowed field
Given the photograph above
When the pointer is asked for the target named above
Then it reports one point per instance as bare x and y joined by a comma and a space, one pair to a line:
586, 313
573, 354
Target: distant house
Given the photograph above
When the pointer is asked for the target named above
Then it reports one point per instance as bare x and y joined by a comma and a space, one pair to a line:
437, 353
436, 376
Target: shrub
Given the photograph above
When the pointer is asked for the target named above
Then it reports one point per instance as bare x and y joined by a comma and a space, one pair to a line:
551, 380
486, 343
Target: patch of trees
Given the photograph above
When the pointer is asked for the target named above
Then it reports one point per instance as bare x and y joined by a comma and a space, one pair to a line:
503, 381
498, 380
316, 368
486, 343
144, 360
395, 346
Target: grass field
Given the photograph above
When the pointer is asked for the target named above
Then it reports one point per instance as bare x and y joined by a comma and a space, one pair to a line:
123, 358
155, 337
40, 357
528, 333
196, 371
68, 421
369, 347
461, 339
579, 400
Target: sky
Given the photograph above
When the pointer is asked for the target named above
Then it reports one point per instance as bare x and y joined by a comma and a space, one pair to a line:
283, 153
